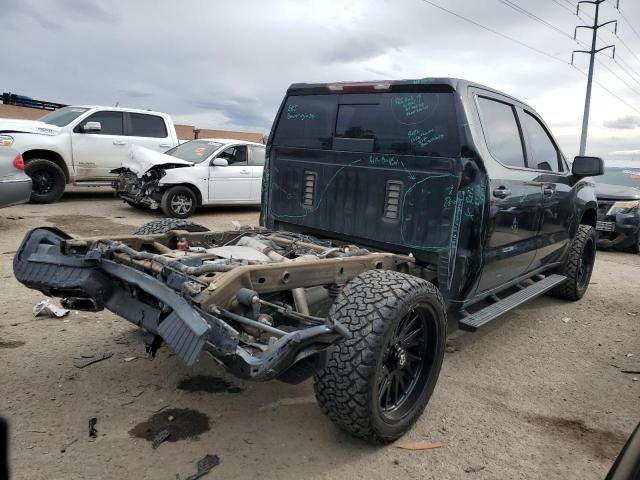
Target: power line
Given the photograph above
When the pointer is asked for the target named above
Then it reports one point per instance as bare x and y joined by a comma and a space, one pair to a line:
609, 91
533, 16
562, 5
622, 62
495, 32
541, 52
625, 70
624, 44
629, 23
630, 87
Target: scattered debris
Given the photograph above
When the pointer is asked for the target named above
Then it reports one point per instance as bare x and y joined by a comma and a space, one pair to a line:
566, 319
629, 355
159, 438
205, 465
93, 431
45, 307
89, 358
451, 348
474, 469
207, 383
67, 445
170, 418
419, 445
632, 314
11, 343
129, 359
186, 423
288, 402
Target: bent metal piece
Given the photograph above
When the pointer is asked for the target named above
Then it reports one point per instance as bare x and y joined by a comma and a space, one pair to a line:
187, 300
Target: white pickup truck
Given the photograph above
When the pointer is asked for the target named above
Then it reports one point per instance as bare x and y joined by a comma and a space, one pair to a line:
81, 144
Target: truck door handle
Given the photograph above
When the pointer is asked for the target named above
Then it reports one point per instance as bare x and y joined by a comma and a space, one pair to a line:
548, 191
164, 145
119, 142
501, 192
245, 172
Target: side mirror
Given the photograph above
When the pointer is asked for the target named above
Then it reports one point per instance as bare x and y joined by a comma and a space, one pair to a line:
587, 166
220, 162
91, 127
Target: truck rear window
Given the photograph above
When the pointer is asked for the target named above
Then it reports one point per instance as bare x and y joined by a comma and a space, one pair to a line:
389, 123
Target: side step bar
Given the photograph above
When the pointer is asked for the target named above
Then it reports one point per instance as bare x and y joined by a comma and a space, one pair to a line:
474, 321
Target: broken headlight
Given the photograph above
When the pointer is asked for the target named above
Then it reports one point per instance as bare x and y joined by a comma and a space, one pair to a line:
623, 207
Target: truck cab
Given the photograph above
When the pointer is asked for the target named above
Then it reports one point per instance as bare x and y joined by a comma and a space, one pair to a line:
467, 179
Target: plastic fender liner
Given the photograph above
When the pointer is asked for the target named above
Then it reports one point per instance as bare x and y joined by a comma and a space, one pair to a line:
184, 329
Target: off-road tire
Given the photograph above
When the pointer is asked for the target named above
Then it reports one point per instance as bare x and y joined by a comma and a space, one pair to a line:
168, 197
371, 307
49, 180
167, 224
576, 285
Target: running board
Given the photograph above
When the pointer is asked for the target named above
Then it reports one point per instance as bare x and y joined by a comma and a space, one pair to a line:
472, 322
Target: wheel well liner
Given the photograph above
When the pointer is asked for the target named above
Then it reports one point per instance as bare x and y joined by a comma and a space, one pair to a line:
48, 155
190, 186
589, 217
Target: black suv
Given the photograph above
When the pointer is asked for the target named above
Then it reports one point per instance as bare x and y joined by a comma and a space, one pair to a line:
386, 207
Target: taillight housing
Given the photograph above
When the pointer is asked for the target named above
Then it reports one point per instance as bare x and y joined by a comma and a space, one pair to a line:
18, 162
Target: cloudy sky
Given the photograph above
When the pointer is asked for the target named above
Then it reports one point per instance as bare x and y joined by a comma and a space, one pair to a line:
227, 63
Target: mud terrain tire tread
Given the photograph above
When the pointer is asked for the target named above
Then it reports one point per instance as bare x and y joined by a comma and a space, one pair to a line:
569, 290
369, 307
167, 224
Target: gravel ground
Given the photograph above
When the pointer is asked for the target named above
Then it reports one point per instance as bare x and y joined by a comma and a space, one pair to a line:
538, 394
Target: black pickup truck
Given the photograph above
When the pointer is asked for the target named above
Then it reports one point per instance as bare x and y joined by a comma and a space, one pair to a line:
390, 210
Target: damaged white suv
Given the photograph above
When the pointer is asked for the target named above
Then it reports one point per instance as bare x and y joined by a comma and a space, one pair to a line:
199, 172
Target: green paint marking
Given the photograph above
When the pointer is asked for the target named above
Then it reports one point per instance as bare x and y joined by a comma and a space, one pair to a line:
411, 175
411, 104
293, 114
424, 138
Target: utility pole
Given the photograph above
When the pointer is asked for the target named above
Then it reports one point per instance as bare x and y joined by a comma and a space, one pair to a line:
592, 54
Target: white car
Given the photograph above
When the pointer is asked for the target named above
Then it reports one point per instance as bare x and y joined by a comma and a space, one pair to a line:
212, 171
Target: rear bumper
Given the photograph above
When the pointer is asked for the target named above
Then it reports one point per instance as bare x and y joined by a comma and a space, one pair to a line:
14, 190
158, 309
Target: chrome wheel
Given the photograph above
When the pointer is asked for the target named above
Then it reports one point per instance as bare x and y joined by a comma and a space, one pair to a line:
181, 204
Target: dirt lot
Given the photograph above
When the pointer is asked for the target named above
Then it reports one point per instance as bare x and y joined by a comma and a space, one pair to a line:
538, 394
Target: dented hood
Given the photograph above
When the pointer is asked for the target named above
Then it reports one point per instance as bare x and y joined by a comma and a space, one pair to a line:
11, 125
140, 160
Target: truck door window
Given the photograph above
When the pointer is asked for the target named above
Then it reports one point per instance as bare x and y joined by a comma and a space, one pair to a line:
543, 153
111, 123
236, 156
501, 132
143, 125
256, 156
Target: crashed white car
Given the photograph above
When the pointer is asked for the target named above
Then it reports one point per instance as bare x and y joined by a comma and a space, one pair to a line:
199, 172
